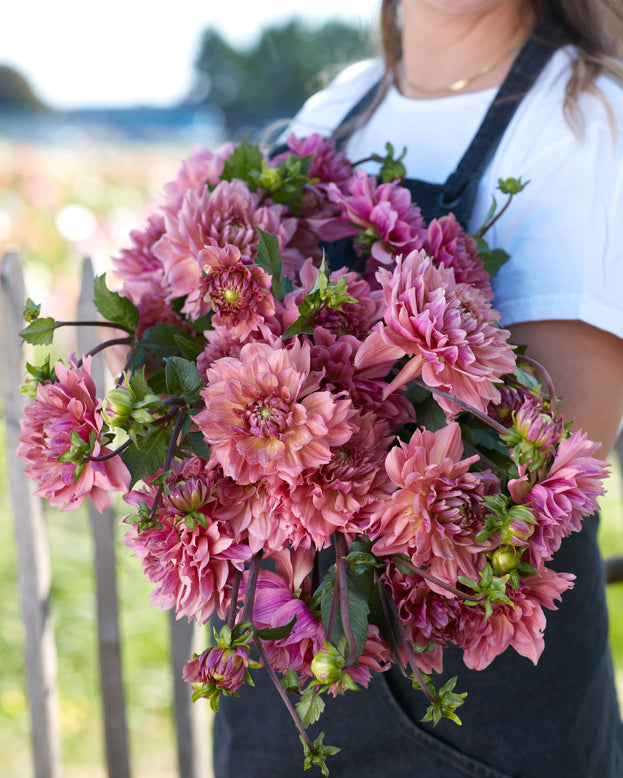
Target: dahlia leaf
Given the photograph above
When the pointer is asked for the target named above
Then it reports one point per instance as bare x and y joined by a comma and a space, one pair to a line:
269, 259
167, 340
358, 610
197, 444
148, 459
276, 633
40, 332
184, 379
244, 161
493, 258
310, 707
113, 307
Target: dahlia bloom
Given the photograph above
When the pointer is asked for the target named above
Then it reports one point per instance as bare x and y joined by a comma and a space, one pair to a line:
382, 218
60, 431
341, 494
436, 512
202, 167
191, 563
448, 329
568, 493
449, 245
238, 293
263, 414
221, 670
275, 605
139, 269
327, 165
227, 215
519, 625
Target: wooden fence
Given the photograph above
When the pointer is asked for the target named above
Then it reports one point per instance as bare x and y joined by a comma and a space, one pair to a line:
35, 579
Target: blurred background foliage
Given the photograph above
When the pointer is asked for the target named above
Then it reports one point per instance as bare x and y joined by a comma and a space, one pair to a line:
74, 184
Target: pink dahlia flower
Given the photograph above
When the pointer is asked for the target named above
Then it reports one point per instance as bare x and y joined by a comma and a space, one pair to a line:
227, 215
448, 329
327, 165
60, 431
568, 493
341, 494
276, 605
218, 668
436, 512
238, 293
519, 625
139, 269
192, 568
202, 167
450, 246
264, 417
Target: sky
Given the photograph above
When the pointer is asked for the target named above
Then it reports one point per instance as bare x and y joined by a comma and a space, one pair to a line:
77, 53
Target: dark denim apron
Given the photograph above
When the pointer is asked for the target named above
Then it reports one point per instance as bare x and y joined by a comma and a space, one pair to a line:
559, 719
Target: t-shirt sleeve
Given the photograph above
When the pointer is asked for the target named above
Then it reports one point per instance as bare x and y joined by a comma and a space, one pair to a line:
564, 232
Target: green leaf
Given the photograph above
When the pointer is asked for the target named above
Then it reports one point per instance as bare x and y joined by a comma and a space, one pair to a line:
197, 444
358, 610
167, 340
146, 460
310, 707
113, 307
276, 633
40, 332
242, 163
269, 259
184, 379
139, 385
317, 754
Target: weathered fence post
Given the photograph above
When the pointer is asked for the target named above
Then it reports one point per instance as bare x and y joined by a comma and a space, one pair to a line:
33, 561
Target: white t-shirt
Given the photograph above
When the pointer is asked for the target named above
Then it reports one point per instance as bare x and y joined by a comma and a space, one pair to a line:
564, 232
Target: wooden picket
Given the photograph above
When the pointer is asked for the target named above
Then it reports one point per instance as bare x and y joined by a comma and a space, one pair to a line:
35, 580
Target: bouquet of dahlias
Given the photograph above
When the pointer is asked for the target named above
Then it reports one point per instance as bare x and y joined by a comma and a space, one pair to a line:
268, 408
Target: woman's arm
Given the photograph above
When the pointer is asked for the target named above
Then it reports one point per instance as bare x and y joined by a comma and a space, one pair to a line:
586, 365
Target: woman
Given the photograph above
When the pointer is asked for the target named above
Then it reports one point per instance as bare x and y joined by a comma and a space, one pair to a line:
531, 90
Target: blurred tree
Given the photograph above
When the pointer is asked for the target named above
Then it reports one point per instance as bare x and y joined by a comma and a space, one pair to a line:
272, 78
15, 90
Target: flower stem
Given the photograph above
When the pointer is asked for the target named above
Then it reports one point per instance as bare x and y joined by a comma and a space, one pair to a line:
233, 603
249, 595
404, 641
499, 428
111, 454
110, 324
547, 378
283, 694
438, 582
107, 343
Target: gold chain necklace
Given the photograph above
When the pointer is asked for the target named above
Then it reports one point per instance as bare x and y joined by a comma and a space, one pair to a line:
461, 83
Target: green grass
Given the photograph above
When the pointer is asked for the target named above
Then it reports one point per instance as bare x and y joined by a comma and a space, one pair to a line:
145, 648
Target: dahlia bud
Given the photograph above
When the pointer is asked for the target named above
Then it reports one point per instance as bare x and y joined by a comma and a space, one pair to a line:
504, 560
327, 665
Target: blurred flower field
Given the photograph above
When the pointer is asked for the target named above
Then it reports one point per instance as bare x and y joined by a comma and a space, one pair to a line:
57, 205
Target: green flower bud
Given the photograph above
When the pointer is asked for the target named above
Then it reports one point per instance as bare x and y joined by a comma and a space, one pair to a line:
327, 665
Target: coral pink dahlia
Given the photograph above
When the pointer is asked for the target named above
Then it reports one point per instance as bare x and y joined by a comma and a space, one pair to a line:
263, 415
60, 432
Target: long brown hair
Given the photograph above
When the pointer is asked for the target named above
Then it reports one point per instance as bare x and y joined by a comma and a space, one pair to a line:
595, 27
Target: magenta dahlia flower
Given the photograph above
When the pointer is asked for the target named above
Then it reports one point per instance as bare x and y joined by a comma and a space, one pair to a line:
382, 217
219, 669
449, 245
60, 432
449, 330
275, 605
263, 414
568, 493
436, 512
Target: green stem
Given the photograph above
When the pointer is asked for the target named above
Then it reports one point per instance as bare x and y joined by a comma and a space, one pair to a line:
249, 595
341, 581
437, 581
